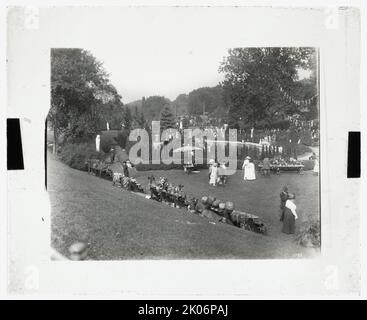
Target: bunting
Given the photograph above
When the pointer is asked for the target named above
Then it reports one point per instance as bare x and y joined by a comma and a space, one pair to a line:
299, 102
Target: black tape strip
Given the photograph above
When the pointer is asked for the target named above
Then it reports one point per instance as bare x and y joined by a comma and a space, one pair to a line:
354, 154
14, 145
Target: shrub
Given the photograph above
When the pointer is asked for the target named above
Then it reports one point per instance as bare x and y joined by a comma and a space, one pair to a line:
173, 166
107, 142
308, 164
162, 166
310, 234
280, 124
75, 155
302, 149
121, 138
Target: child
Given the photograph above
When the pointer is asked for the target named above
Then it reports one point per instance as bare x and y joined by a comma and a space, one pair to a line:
222, 179
266, 167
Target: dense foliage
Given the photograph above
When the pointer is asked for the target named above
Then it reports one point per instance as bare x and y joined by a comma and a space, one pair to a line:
208, 100
75, 155
253, 77
82, 98
167, 118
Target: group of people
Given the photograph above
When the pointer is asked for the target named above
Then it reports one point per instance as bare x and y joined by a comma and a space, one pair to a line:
287, 200
127, 168
217, 173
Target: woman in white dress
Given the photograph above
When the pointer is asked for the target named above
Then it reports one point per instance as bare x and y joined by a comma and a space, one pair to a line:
250, 171
213, 175
211, 162
244, 166
316, 167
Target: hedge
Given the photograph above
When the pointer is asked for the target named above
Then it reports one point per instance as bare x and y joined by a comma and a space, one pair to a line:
308, 165
107, 142
75, 155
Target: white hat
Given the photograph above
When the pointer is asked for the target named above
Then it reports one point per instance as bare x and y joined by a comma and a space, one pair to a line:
248, 157
211, 161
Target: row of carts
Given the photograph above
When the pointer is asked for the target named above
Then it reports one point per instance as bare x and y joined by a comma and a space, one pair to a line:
210, 207
163, 191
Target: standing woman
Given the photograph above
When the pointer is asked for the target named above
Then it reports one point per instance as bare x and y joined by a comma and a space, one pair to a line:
290, 215
211, 162
316, 166
283, 199
250, 171
214, 175
244, 167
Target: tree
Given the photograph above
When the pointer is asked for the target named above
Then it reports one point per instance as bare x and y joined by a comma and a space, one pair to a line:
141, 120
136, 112
153, 106
253, 77
127, 119
167, 118
122, 138
79, 89
113, 113
181, 104
206, 99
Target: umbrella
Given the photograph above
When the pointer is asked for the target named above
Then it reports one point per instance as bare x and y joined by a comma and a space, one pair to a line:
187, 149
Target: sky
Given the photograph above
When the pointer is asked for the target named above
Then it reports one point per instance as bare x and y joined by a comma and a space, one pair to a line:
164, 71
162, 51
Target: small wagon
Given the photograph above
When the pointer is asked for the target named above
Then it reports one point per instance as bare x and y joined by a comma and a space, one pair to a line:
248, 221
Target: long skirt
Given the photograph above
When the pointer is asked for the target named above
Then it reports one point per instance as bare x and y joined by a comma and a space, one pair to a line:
250, 172
213, 178
282, 213
289, 222
316, 167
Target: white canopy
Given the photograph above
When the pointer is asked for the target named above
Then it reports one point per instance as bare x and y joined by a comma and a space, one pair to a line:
187, 149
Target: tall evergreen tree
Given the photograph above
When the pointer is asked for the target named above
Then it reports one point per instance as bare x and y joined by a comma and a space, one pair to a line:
141, 120
127, 119
167, 118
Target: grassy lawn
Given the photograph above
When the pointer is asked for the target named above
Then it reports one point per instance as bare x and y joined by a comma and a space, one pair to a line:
117, 224
260, 197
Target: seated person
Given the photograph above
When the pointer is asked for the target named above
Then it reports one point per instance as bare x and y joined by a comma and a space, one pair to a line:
125, 169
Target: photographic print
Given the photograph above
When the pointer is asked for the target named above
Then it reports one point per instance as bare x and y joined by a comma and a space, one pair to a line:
191, 141
226, 167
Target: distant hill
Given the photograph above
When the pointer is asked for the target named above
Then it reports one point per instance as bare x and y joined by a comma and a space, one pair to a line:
151, 106
208, 100
195, 102
181, 104
134, 104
